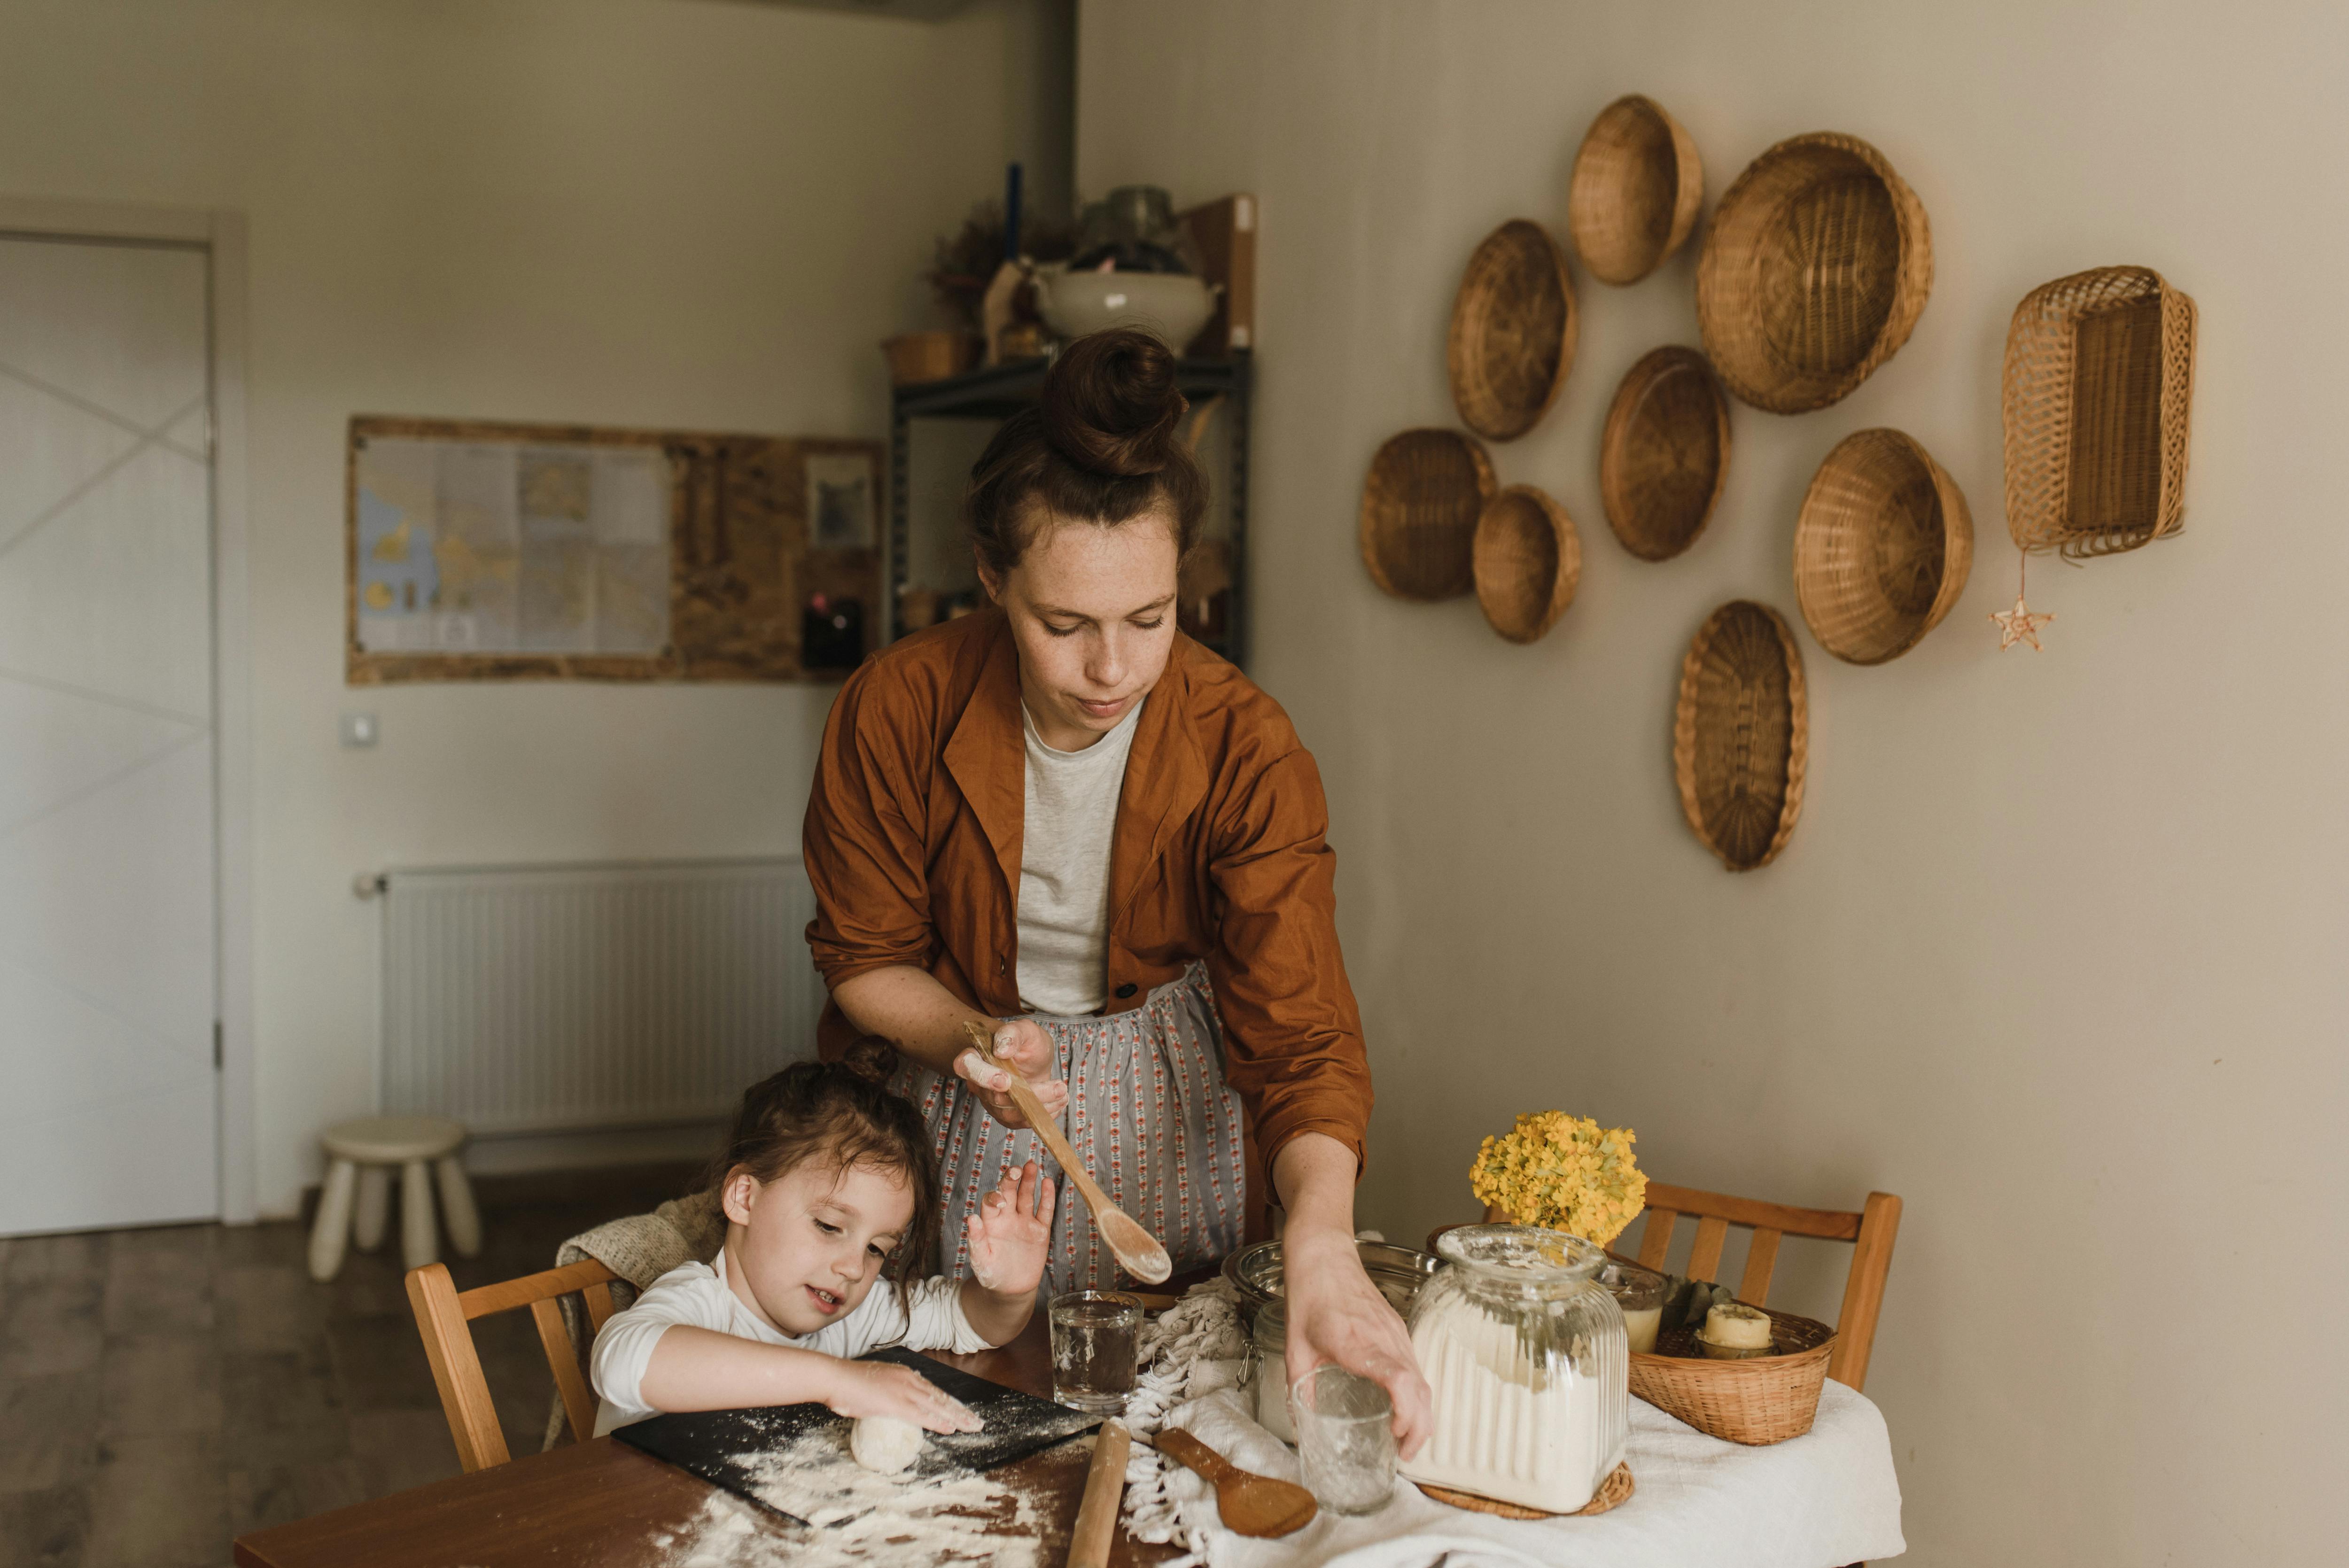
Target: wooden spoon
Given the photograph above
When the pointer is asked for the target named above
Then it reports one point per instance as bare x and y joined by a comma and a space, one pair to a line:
1249, 1503
1142, 1254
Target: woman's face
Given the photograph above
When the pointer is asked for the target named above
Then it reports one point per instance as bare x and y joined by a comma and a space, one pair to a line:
1093, 611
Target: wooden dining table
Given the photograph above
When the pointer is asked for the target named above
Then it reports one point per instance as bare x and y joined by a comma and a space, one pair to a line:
602, 1502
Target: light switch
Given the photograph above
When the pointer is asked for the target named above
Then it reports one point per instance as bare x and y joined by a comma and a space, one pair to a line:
359, 729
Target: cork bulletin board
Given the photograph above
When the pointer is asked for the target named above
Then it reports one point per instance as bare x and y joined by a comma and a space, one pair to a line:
482, 550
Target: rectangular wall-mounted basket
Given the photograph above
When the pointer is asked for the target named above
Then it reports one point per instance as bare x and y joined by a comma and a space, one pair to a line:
2099, 376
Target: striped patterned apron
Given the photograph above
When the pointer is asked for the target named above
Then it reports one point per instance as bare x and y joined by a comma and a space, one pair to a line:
1148, 1113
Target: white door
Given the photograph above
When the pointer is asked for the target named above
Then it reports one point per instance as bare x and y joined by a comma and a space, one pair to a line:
109, 1091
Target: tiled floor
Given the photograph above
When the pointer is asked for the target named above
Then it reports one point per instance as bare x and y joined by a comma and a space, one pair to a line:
163, 1391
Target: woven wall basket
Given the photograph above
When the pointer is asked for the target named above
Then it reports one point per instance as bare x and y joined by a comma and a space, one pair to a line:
2099, 376
1812, 274
1528, 560
1741, 734
1512, 329
1665, 453
1637, 188
1883, 547
1420, 505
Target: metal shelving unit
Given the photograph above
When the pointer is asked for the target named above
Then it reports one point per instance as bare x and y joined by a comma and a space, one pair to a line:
1002, 390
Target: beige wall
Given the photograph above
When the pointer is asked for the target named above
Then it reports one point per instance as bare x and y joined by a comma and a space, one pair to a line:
2057, 949
664, 212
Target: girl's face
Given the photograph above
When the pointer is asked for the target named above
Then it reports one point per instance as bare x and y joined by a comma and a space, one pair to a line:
803, 1250
1093, 610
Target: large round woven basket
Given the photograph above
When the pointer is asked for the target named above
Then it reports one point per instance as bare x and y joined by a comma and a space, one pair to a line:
1421, 501
1637, 185
1882, 549
1814, 270
1527, 561
1665, 453
2099, 378
1741, 734
1766, 1400
1512, 329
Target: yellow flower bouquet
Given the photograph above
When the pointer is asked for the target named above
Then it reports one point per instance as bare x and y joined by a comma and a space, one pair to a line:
1564, 1172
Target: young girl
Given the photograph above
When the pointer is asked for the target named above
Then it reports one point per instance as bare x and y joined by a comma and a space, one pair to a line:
831, 1198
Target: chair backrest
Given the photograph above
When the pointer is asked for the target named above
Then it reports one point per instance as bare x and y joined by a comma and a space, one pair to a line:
443, 1317
1871, 1231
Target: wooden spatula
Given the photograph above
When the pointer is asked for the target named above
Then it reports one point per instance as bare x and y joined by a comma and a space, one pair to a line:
1249, 1503
1141, 1253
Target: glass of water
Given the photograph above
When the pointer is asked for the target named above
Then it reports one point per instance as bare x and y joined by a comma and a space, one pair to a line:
1345, 1439
1095, 1334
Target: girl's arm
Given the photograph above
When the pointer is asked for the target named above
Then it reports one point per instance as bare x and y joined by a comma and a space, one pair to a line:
1009, 1232
703, 1369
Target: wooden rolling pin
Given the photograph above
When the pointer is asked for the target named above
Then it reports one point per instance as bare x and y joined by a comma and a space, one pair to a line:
1142, 1254
1104, 1484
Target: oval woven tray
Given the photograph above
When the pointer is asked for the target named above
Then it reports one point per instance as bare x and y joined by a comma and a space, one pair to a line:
1882, 549
1764, 1400
1612, 1492
1741, 734
1637, 185
1527, 559
1421, 501
1814, 270
1665, 453
2099, 382
1513, 330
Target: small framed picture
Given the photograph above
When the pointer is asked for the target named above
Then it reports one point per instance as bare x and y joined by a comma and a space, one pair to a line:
840, 500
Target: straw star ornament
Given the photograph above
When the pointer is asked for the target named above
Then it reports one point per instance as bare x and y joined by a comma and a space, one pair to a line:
2021, 624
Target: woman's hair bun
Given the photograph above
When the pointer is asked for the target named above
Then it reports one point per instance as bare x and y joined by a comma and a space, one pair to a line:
1110, 404
870, 1057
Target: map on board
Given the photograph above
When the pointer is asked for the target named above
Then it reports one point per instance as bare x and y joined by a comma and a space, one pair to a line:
467, 547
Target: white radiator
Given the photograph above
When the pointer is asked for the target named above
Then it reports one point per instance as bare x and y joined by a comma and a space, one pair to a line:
562, 998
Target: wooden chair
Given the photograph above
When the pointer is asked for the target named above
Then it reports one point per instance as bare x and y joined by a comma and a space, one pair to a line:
443, 1317
1870, 1231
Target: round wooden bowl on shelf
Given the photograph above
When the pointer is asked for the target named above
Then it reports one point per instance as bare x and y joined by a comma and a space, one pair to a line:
1741, 734
1815, 268
1665, 453
2098, 381
1512, 329
1637, 185
919, 356
1425, 492
1882, 549
1527, 559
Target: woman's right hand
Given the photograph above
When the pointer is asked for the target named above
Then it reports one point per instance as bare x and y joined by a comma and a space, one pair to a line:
1022, 1044
886, 1388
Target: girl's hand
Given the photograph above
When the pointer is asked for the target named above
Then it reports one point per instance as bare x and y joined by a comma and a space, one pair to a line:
1009, 1232
1023, 1044
886, 1388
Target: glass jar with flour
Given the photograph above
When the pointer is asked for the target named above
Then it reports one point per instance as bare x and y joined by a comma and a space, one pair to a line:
1525, 1352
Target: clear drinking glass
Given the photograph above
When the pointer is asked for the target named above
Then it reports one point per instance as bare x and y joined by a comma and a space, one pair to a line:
1095, 1335
1345, 1439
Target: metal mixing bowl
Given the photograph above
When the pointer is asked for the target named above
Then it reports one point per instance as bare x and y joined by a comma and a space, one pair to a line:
1398, 1272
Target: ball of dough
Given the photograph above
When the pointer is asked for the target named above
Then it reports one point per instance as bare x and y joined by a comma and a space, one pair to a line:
884, 1443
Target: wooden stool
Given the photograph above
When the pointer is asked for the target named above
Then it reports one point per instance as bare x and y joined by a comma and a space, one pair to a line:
363, 1153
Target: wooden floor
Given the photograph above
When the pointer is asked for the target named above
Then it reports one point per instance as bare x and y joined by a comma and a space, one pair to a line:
163, 1391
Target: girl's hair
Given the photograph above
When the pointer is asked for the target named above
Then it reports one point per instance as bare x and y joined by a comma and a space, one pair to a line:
1102, 446
839, 1113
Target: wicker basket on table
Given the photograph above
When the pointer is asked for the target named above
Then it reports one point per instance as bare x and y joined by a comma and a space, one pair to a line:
1813, 272
1741, 734
1766, 1400
2099, 378
1513, 324
1665, 453
1637, 188
1420, 500
1527, 561
1882, 549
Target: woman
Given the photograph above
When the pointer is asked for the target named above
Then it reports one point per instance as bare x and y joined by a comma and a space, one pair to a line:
1065, 821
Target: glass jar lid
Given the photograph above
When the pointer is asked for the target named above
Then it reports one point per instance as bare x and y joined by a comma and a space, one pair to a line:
1522, 1254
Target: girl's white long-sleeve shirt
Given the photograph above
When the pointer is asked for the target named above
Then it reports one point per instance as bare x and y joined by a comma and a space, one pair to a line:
927, 1315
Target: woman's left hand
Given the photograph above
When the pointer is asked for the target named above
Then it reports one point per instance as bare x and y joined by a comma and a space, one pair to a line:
1009, 1230
1336, 1315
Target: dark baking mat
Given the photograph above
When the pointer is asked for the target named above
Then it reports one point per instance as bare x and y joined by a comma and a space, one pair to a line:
794, 1459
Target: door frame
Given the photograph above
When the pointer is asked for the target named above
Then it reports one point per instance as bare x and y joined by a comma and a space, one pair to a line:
222, 234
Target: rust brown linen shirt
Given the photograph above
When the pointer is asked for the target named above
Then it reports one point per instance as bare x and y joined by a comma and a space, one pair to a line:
913, 842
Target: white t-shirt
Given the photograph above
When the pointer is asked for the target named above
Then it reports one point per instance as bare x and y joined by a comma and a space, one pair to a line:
927, 1315
1064, 868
